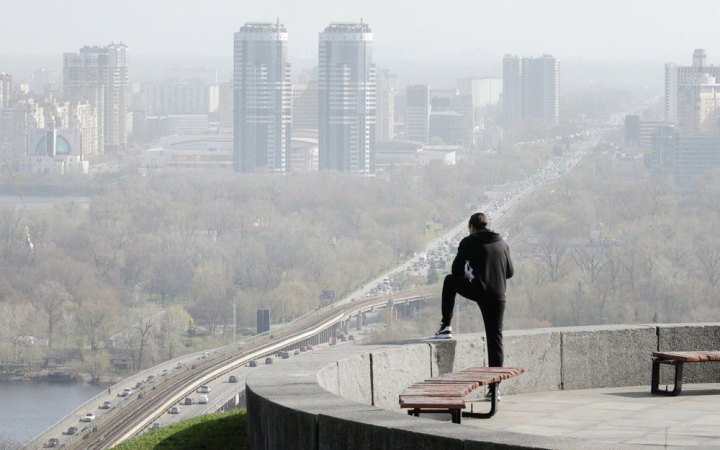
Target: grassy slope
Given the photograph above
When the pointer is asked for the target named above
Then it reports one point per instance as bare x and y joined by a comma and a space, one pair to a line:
221, 431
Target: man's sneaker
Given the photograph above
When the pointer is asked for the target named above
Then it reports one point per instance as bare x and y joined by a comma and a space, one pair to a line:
444, 332
488, 395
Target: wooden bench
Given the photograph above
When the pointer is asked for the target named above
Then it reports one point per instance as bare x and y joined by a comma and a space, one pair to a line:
677, 359
446, 393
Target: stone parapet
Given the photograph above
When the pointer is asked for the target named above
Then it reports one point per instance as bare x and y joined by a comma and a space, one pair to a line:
347, 396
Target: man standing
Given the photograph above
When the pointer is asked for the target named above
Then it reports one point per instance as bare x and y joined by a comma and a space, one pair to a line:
479, 273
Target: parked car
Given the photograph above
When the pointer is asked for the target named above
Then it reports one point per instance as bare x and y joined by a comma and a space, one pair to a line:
107, 404
53, 443
88, 417
187, 401
233, 379
155, 425
204, 389
151, 378
174, 410
203, 399
252, 363
71, 430
284, 355
138, 385
268, 360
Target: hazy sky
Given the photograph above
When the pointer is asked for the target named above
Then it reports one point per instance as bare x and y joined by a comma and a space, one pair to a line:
653, 30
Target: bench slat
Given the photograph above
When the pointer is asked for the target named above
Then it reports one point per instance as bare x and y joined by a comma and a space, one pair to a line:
695, 356
432, 402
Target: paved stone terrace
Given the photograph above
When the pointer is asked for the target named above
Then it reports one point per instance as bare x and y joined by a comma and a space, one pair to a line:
627, 415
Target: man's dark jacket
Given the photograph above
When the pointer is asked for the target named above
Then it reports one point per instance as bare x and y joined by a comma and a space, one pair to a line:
484, 258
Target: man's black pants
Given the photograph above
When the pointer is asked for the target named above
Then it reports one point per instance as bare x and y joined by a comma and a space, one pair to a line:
492, 313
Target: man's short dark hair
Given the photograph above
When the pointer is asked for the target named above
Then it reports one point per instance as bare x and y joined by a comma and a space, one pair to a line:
478, 221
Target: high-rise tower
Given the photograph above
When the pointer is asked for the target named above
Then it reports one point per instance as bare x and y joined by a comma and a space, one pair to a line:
263, 98
5, 89
531, 88
346, 89
99, 75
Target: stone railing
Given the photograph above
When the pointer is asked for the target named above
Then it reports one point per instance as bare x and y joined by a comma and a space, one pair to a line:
347, 397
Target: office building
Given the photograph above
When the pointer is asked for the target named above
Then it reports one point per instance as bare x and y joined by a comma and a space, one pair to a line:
346, 109
531, 89
482, 91
5, 89
698, 104
385, 84
639, 132
678, 78
417, 113
99, 75
263, 98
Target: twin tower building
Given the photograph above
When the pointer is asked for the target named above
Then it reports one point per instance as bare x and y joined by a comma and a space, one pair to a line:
263, 99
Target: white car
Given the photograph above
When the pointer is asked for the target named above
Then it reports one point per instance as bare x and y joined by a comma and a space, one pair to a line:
204, 389
88, 417
125, 393
203, 399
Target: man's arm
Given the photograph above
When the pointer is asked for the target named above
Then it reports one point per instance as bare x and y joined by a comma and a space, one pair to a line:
458, 264
509, 269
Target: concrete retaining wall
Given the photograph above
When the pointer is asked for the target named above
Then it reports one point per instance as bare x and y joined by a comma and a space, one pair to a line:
346, 397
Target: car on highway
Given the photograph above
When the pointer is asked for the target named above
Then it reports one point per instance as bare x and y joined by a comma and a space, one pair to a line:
268, 360
155, 425
107, 404
125, 392
203, 400
252, 363
204, 389
187, 401
174, 410
233, 379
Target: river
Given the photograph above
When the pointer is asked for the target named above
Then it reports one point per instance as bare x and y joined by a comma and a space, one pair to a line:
29, 408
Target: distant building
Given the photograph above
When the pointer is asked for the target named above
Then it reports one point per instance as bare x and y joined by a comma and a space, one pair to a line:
678, 78
346, 87
225, 106
305, 105
482, 91
699, 106
184, 124
99, 75
531, 89
54, 151
417, 113
159, 99
263, 98
386, 83
639, 133
685, 156
304, 155
208, 151
5, 89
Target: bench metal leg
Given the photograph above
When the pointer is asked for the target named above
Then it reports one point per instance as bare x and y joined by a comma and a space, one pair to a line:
454, 413
655, 382
493, 405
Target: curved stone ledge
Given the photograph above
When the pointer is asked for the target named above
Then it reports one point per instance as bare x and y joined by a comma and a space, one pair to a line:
347, 397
